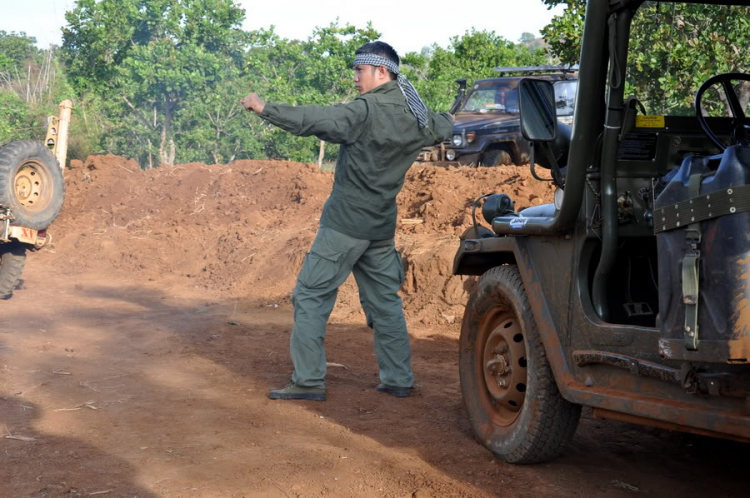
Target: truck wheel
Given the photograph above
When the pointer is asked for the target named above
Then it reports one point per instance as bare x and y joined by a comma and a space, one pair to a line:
31, 184
510, 394
496, 157
12, 261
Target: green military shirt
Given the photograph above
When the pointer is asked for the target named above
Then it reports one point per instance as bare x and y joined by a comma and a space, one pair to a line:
380, 139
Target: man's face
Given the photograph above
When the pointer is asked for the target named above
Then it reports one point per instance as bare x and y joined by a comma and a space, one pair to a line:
366, 78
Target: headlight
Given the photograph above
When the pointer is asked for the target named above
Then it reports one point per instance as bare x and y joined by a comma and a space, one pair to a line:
457, 140
450, 154
470, 136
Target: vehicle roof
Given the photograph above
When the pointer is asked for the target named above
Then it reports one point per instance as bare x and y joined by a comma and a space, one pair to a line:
545, 69
554, 77
616, 5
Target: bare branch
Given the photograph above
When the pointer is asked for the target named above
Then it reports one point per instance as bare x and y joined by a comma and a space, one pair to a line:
138, 113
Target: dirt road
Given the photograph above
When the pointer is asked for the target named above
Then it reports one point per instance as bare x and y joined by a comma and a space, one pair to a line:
136, 357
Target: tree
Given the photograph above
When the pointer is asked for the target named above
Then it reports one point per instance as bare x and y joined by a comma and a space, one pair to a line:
215, 127
31, 86
150, 57
316, 71
14, 119
564, 32
472, 56
15, 49
673, 49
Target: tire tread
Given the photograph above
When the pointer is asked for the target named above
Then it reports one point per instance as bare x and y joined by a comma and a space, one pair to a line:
556, 422
12, 262
10, 155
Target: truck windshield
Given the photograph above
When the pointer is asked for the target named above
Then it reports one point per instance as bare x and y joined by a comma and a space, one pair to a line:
675, 47
492, 97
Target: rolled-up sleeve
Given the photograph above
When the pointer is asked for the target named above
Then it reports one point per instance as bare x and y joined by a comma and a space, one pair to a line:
341, 123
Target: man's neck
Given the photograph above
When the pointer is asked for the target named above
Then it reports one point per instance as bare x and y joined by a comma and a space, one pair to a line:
381, 86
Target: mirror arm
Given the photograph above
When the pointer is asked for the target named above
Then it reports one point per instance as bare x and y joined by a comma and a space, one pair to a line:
532, 163
557, 175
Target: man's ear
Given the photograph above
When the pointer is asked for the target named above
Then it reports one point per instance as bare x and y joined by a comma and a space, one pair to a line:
383, 73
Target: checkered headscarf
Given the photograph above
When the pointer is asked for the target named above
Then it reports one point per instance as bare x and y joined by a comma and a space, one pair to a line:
412, 97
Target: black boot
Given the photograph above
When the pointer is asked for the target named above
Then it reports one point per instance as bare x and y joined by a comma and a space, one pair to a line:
399, 392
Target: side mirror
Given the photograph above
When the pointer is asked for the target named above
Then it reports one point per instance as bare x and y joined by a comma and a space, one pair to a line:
537, 104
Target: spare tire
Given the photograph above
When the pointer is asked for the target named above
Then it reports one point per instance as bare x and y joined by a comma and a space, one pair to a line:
31, 184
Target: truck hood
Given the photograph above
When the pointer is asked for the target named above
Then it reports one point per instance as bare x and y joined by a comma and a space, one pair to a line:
479, 122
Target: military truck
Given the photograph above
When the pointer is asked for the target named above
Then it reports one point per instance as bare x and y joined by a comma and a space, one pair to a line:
487, 131
32, 192
630, 294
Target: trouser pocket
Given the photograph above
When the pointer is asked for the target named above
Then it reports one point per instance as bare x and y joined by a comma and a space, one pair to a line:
399, 264
319, 271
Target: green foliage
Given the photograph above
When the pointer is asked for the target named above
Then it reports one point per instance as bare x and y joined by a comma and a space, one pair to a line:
316, 71
31, 88
14, 118
472, 56
89, 125
15, 49
151, 56
161, 80
216, 128
673, 48
687, 45
564, 32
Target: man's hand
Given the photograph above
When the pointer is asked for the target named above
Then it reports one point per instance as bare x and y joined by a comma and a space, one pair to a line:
253, 103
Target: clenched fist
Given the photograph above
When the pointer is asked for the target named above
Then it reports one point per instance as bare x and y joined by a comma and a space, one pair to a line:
253, 103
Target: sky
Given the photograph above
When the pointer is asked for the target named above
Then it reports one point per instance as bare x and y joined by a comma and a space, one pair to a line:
408, 25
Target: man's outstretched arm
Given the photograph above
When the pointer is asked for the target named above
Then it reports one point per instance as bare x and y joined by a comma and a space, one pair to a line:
341, 123
441, 126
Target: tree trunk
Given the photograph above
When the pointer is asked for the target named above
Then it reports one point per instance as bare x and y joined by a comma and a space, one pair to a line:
167, 147
321, 154
743, 94
150, 156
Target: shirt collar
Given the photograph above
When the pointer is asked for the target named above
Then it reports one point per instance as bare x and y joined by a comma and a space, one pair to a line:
385, 87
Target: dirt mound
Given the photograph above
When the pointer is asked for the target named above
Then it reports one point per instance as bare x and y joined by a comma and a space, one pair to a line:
242, 230
438, 200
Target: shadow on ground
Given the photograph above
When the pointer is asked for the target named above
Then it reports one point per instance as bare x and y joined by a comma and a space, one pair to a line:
181, 382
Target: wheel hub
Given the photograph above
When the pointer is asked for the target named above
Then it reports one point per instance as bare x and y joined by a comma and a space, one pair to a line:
29, 186
504, 368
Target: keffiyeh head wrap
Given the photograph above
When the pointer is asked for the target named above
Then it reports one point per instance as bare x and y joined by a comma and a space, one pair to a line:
415, 102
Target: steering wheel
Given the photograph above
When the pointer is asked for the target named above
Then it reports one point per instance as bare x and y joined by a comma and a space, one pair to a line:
740, 122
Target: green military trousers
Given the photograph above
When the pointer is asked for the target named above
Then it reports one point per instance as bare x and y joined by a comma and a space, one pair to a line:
379, 273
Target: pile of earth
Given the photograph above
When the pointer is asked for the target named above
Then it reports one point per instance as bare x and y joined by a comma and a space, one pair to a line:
242, 230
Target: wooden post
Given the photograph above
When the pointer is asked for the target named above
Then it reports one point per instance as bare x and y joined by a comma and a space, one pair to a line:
61, 148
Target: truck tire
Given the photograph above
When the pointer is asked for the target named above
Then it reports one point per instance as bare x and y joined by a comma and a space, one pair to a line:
31, 184
12, 261
496, 157
509, 391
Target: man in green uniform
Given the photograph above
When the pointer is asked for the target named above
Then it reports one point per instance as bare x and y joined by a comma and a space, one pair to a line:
380, 132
